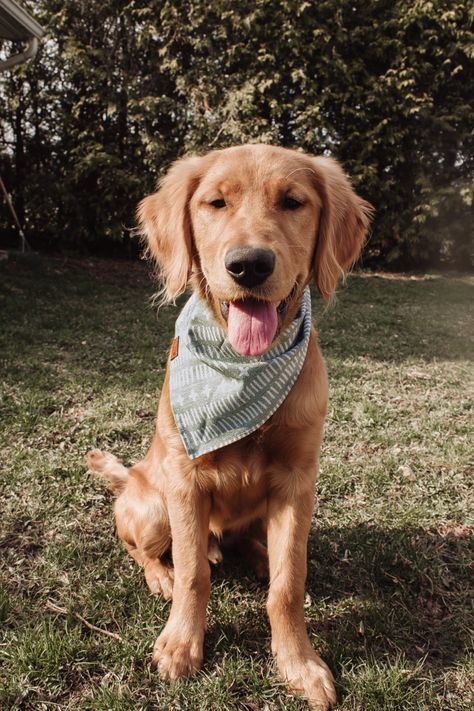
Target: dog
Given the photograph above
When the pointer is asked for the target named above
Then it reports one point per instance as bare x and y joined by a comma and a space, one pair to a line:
247, 228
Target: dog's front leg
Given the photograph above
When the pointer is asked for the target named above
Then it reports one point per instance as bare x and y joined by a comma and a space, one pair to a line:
289, 519
178, 650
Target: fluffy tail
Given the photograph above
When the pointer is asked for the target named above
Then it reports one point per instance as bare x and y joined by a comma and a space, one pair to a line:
108, 468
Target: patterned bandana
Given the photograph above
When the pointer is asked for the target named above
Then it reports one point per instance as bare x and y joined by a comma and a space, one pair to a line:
218, 396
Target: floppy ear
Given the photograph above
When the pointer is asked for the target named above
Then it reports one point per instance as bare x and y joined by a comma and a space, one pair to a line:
164, 222
343, 225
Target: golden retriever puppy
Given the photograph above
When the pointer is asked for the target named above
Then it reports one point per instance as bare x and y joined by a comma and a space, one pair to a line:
241, 415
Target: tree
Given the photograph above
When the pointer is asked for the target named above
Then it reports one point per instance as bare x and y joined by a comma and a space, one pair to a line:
122, 88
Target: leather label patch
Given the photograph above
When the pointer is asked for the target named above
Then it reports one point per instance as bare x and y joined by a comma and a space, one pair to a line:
174, 349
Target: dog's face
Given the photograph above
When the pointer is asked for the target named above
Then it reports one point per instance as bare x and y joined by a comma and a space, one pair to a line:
254, 218
249, 226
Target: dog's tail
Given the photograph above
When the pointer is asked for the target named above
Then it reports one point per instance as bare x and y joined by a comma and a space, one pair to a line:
108, 468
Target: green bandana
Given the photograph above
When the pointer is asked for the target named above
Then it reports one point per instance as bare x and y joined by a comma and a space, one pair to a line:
218, 396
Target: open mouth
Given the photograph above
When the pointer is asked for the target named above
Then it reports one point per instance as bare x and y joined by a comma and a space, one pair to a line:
253, 324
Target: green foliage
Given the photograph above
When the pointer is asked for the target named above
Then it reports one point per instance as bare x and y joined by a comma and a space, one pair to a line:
122, 88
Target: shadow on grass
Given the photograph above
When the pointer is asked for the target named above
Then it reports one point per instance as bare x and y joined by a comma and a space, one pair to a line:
409, 590
374, 592
98, 328
394, 320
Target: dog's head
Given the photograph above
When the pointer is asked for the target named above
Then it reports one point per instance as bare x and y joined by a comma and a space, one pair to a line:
249, 227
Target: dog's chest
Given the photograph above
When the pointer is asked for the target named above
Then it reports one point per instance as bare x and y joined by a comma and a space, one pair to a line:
238, 479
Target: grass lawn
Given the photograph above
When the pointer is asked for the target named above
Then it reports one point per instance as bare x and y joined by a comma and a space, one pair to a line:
390, 586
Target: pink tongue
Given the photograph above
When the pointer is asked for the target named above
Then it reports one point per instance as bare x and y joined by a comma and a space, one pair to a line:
251, 326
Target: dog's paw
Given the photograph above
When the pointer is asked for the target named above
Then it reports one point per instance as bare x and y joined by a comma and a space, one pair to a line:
310, 677
214, 553
159, 578
175, 658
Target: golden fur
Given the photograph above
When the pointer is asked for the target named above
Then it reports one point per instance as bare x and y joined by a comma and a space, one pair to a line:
264, 482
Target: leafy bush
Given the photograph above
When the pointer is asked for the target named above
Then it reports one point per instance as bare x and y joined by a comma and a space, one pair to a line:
120, 89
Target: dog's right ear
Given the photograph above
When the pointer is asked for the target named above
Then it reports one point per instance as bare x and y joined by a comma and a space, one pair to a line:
165, 224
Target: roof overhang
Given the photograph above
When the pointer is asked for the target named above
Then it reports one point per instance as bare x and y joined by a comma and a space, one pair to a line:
17, 25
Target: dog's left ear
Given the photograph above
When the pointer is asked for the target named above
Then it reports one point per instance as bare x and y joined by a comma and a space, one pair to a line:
165, 224
343, 225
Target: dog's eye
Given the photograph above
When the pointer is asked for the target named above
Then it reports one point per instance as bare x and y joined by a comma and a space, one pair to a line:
218, 204
289, 203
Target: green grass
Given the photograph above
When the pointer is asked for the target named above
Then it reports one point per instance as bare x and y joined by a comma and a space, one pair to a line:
389, 601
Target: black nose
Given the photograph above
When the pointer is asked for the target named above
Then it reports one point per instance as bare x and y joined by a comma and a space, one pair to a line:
249, 266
